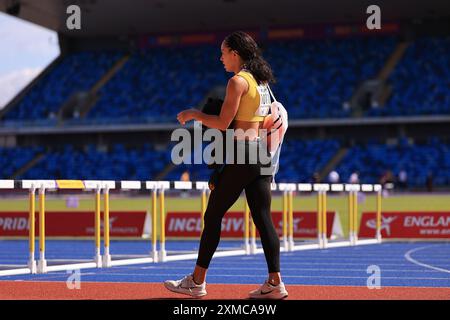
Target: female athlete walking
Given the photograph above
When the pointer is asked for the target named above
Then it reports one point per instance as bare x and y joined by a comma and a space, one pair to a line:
246, 104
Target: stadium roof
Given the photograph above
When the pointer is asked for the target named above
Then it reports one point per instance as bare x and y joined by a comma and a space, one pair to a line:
131, 17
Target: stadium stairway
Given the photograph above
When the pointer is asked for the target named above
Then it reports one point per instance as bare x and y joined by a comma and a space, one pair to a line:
393, 60
379, 81
164, 172
106, 77
85, 101
383, 75
110, 73
334, 161
28, 165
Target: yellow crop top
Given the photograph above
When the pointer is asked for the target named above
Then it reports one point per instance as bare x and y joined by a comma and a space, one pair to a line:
255, 104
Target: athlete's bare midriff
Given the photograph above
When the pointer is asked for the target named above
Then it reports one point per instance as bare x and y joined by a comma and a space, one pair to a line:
250, 129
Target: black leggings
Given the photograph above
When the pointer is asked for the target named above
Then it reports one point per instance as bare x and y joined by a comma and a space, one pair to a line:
233, 179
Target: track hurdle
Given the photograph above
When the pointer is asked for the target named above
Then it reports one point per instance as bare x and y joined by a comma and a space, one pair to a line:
332, 244
287, 238
201, 186
30, 266
288, 207
44, 186
322, 190
158, 189
154, 253
41, 266
52, 185
378, 190
287, 190
31, 230
353, 190
204, 188
108, 258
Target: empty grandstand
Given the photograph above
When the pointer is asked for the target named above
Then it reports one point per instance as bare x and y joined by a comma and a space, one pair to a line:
90, 176
366, 102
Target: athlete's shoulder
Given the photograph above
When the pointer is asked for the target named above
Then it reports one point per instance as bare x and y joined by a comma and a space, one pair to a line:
237, 82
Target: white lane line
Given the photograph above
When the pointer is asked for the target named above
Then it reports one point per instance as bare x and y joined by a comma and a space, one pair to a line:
262, 276
414, 261
325, 263
306, 260
287, 269
47, 277
292, 264
144, 269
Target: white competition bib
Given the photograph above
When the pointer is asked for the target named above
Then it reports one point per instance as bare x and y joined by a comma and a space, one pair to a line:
264, 101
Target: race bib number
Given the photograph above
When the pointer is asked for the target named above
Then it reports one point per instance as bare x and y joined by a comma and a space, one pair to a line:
264, 104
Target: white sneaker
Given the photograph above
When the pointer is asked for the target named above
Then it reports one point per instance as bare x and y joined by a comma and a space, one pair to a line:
269, 291
186, 286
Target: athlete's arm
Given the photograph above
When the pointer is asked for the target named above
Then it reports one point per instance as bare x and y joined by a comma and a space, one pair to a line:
236, 87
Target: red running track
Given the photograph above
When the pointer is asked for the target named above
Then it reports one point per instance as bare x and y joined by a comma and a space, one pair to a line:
27, 290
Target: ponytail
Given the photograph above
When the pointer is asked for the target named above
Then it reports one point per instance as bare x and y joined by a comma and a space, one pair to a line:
260, 70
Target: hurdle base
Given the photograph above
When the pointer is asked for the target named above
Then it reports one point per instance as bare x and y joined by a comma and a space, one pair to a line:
320, 243
379, 240
291, 245
247, 248
367, 241
106, 260
353, 239
32, 266
15, 272
162, 255
154, 255
285, 244
133, 261
311, 246
98, 261
42, 266
324, 241
253, 248
338, 244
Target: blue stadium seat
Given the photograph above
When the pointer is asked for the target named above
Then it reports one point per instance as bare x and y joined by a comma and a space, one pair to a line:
299, 161
315, 78
14, 158
157, 83
418, 160
117, 163
77, 72
420, 80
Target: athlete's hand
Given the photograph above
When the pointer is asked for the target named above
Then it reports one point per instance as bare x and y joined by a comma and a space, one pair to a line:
186, 115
